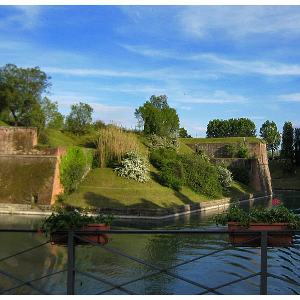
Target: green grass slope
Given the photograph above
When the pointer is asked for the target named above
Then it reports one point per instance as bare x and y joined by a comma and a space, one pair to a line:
282, 180
103, 188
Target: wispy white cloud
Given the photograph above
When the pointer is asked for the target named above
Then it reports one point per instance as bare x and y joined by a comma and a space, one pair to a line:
67, 99
219, 64
185, 107
23, 17
290, 98
218, 97
239, 21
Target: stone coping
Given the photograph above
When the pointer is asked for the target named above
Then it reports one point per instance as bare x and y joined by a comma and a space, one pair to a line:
131, 213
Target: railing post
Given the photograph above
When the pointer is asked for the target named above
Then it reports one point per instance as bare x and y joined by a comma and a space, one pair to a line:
264, 263
71, 263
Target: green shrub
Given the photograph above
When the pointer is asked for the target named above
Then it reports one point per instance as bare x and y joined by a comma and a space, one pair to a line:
240, 173
229, 151
161, 156
74, 165
172, 175
201, 176
134, 166
242, 151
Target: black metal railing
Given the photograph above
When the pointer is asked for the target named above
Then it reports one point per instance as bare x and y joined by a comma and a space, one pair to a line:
72, 270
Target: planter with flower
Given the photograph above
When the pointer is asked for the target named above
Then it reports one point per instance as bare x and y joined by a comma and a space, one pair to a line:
66, 220
279, 218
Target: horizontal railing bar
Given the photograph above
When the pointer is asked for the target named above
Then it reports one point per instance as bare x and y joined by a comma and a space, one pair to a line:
196, 231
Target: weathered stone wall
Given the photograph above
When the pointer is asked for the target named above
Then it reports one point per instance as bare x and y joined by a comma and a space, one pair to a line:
28, 179
256, 150
258, 168
14, 140
28, 174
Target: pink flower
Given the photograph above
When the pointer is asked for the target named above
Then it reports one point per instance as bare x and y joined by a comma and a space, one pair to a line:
39, 231
275, 201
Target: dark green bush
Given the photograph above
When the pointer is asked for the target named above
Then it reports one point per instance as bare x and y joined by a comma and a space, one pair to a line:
240, 173
172, 175
162, 156
201, 176
242, 151
229, 151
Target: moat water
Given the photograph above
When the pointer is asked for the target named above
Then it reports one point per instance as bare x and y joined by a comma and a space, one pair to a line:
163, 250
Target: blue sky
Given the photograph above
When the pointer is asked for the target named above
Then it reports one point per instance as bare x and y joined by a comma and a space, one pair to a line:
213, 62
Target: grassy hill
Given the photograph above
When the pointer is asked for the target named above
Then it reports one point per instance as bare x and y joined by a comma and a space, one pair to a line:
103, 188
282, 180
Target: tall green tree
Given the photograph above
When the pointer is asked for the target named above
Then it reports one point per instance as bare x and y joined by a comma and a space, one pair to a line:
157, 117
241, 127
297, 146
183, 133
287, 145
271, 135
43, 115
80, 118
21, 89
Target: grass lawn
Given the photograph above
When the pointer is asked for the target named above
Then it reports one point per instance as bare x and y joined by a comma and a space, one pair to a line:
281, 180
103, 188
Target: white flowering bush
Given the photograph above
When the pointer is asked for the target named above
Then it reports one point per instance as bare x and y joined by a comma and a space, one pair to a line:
134, 166
225, 177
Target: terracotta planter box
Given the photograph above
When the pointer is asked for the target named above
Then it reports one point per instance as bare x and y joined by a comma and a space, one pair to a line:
97, 238
238, 238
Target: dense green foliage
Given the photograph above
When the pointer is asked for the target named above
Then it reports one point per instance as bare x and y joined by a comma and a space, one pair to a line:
183, 133
71, 219
287, 145
241, 127
157, 117
258, 214
73, 167
80, 118
240, 173
188, 170
134, 166
238, 151
297, 146
21, 90
271, 135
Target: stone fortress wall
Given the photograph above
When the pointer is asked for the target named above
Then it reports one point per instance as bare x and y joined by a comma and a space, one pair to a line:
27, 175
257, 166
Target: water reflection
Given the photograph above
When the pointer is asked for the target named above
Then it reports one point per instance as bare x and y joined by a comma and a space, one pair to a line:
163, 251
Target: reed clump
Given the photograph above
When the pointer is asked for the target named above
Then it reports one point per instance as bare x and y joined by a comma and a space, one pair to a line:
112, 143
